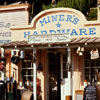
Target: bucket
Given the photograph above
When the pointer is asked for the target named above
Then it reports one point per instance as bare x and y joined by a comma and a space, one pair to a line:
27, 95
68, 97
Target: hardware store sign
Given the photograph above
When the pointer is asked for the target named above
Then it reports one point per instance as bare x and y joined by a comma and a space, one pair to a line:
58, 24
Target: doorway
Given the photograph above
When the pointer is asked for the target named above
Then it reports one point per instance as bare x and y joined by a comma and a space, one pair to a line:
54, 75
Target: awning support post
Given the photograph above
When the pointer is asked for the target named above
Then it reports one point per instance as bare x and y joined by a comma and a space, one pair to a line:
69, 58
2, 56
34, 75
69, 95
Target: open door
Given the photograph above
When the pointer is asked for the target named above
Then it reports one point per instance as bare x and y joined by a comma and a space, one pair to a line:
54, 76
59, 83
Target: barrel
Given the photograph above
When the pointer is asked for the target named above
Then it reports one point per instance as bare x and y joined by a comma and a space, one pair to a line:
27, 95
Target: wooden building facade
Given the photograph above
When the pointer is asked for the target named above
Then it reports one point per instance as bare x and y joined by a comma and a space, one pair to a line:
56, 48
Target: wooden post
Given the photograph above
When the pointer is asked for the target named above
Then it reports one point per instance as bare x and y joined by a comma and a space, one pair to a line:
34, 75
69, 58
69, 95
2, 56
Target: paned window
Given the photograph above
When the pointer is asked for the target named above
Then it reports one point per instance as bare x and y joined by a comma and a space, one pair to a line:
88, 64
27, 70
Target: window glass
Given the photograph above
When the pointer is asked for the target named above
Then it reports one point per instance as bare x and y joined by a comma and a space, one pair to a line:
27, 70
88, 64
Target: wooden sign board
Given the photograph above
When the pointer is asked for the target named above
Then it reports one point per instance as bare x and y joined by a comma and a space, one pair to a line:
51, 38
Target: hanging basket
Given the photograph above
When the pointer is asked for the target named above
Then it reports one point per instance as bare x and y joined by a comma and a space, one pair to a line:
94, 53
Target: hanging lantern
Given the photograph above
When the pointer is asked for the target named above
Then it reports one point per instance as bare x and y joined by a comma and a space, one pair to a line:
82, 49
22, 54
80, 53
78, 49
2, 52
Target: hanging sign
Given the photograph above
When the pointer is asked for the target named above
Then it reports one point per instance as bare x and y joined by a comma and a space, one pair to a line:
51, 38
94, 53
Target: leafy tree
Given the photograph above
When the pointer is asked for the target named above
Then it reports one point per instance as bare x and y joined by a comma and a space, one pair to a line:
92, 15
81, 5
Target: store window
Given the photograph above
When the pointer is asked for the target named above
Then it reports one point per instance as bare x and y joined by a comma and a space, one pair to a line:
88, 63
27, 68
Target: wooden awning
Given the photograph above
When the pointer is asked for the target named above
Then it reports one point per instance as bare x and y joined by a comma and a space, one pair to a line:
74, 42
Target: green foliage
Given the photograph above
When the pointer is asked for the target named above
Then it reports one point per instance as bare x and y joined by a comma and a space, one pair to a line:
44, 7
61, 3
81, 5
92, 15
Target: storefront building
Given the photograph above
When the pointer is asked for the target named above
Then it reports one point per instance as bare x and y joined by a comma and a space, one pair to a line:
11, 15
56, 49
